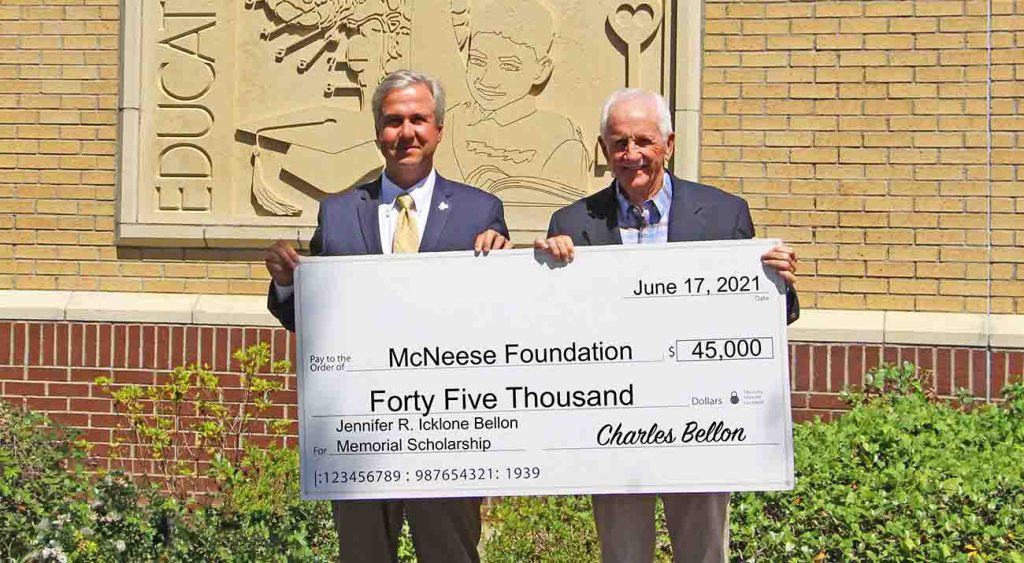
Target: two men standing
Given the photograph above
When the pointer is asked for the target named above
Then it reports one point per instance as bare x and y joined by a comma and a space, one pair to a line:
411, 208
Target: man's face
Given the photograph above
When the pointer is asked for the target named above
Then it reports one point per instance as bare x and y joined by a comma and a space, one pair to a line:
635, 146
408, 134
500, 71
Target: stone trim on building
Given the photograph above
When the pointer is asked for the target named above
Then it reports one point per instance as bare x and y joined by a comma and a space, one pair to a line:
815, 325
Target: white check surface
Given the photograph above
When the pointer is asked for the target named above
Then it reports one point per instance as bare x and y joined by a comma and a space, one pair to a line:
653, 368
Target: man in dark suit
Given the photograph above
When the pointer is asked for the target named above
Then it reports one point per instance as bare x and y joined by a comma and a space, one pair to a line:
410, 208
644, 205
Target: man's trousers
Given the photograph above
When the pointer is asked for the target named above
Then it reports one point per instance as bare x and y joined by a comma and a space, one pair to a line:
443, 530
698, 526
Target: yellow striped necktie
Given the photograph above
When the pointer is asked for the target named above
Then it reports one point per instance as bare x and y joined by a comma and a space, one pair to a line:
407, 233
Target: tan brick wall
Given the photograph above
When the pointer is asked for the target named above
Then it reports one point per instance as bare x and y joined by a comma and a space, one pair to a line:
856, 130
58, 145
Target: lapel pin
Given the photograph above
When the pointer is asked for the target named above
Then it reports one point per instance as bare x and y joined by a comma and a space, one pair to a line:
443, 206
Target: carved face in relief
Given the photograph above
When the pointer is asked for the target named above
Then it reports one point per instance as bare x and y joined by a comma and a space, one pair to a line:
408, 134
636, 147
501, 71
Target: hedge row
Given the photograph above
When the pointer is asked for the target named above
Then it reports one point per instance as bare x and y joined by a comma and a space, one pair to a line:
901, 477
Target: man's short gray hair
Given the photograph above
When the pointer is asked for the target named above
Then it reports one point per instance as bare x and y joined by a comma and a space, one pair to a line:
625, 94
400, 79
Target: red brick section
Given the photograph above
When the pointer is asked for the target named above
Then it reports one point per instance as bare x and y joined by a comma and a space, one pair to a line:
51, 367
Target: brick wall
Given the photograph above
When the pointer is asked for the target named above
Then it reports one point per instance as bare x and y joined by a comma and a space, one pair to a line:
51, 367
58, 145
858, 131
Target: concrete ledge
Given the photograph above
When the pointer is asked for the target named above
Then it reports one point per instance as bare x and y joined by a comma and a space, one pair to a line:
173, 235
819, 325
33, 305
947, 329
815, 325
233, 310
1007, 331
160, 308
130, 307
901, 327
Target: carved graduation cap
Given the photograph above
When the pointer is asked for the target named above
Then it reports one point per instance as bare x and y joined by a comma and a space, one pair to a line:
330, 149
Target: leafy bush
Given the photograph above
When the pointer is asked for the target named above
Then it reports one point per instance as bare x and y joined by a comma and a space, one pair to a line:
193, 431
556, 529
259, 518
51, 509
187, 421
40, 469
901, 477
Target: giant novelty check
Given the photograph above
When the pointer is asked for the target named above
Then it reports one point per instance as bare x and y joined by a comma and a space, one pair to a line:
653, 368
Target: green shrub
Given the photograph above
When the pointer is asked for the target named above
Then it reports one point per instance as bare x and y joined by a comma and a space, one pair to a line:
259, 517
51, 509
40, 470
253, 512
187, 421
556, 529
901, 477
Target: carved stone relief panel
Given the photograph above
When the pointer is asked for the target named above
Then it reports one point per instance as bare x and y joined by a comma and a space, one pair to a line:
239, 116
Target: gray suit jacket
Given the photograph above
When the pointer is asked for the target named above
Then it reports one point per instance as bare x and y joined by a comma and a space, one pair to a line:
348, 224
698, 212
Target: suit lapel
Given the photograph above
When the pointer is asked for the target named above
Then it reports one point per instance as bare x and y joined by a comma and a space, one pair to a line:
369, 221
440, 208
685, 220
603, 210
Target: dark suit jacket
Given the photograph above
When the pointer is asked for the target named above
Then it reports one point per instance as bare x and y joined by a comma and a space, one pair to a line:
348, 224
698, 213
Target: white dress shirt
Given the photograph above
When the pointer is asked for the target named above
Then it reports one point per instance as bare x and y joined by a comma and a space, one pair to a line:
387, 212
387, 215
